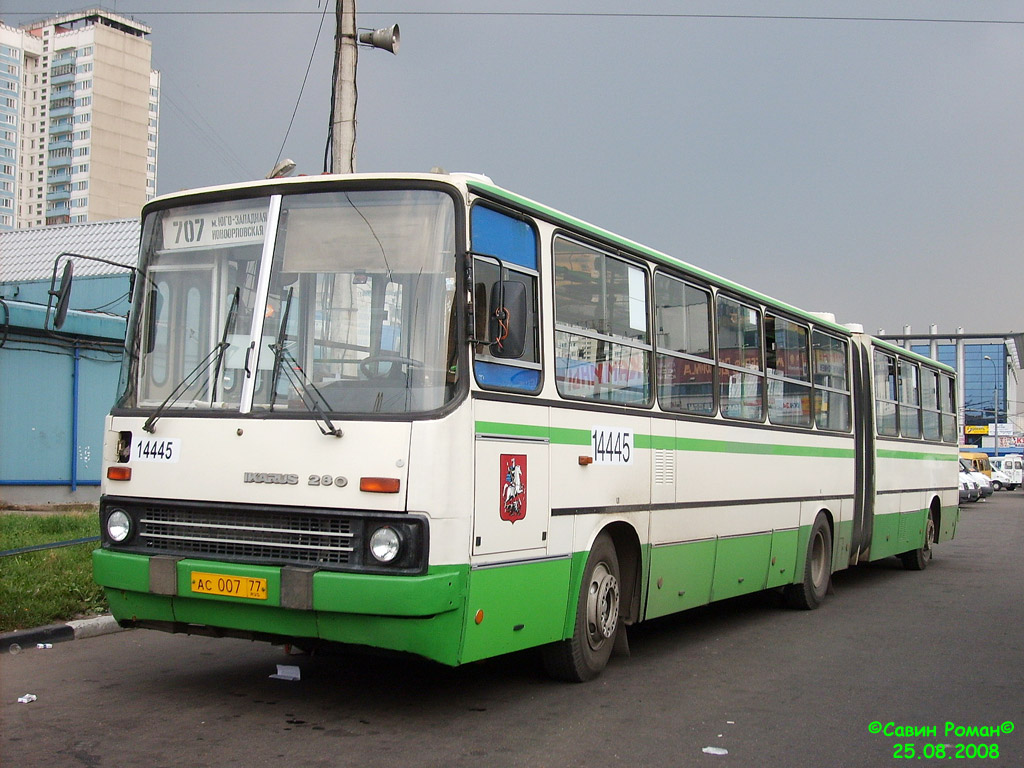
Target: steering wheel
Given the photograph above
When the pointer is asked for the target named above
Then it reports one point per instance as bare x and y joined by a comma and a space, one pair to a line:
369, 366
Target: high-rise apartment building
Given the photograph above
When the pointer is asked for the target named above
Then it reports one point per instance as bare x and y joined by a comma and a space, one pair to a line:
79, 118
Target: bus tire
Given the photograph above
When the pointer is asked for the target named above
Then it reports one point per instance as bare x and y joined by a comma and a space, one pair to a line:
584, 655
809, 593
917, 559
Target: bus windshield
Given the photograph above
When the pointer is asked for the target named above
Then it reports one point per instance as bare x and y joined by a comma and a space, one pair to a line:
337, 301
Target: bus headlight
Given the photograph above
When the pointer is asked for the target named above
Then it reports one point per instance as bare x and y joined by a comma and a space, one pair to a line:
385, 544
119, 525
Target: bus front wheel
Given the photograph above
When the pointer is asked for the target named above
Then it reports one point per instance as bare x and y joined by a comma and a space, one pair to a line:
584, 655
810, 591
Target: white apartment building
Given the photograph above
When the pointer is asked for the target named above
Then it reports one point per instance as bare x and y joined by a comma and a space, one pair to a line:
79, 120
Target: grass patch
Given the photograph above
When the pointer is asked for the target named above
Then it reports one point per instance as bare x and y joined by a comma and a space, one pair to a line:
52, 585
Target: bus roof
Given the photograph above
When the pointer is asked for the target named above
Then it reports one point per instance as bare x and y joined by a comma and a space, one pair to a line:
482, 185
914, 355
488, 189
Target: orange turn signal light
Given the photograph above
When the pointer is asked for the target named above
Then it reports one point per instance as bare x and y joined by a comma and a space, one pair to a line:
119, 473
586, 460
379, 484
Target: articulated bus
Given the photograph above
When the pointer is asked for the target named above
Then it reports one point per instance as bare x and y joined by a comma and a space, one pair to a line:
424, 414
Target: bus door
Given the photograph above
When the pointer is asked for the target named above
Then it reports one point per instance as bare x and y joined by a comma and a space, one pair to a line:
179, 329
864, 429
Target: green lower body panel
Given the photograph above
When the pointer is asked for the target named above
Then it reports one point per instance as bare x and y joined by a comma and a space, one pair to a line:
741, 565
516, 606
457, 614
785, 553
949, 517
681, 576
695, 573
896, 533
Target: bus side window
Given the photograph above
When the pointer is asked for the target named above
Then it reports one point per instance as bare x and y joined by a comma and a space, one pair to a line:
832, 399
505, 296
789, 372
740, 362
910, 399
885, 395
930, 416
685, 364
603, 345
947, 406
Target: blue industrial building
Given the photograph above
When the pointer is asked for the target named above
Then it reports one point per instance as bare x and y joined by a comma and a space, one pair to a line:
57, 386
989, 399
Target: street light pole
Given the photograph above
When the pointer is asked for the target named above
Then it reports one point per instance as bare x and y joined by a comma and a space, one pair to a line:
995, 408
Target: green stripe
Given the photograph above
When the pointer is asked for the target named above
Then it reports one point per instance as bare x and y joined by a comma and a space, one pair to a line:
565, 436
885, 453
762, 449
655, 442
511, 430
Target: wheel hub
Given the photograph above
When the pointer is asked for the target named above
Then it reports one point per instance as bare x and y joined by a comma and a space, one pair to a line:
602, 606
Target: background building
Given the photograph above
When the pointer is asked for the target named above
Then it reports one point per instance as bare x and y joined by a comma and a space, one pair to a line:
79, 120
989, 365
57, 386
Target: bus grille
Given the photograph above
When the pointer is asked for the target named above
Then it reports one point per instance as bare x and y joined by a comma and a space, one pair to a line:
318, 538
252, 536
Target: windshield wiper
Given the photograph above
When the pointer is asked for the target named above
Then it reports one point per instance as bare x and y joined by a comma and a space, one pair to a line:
279, 347
217, 353
232, 311
308, 392
297, 377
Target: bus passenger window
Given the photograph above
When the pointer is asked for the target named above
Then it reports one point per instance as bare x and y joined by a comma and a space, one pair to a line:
910, 400
686, 369
789, 372
602, 341
947, 406
930, 416
831, 383
885, 394
740, 364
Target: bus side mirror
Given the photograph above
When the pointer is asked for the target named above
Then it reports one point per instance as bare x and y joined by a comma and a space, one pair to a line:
63, 296
508, 323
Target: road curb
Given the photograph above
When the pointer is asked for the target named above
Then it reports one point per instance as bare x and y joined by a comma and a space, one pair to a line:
59, 633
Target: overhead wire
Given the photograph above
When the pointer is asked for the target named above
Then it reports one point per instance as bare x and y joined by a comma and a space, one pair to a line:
572, 14
305, 77
209, 135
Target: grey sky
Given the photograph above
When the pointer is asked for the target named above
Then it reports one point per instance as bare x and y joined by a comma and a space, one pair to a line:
874, 169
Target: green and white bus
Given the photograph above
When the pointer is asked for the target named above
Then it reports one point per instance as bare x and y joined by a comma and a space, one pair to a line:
425, 414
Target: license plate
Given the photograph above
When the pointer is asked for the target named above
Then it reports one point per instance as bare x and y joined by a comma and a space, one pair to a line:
229, 586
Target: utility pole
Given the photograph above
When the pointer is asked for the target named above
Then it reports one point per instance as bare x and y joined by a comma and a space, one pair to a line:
346, 55
345, 96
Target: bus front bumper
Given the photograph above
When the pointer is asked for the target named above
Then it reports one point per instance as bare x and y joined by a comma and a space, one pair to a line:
415, 614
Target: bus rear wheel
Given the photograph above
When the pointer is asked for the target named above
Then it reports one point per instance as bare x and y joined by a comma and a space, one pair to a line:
584, 655
917, 559
810, 591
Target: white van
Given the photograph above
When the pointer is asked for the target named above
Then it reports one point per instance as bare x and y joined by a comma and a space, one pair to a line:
1012, 467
